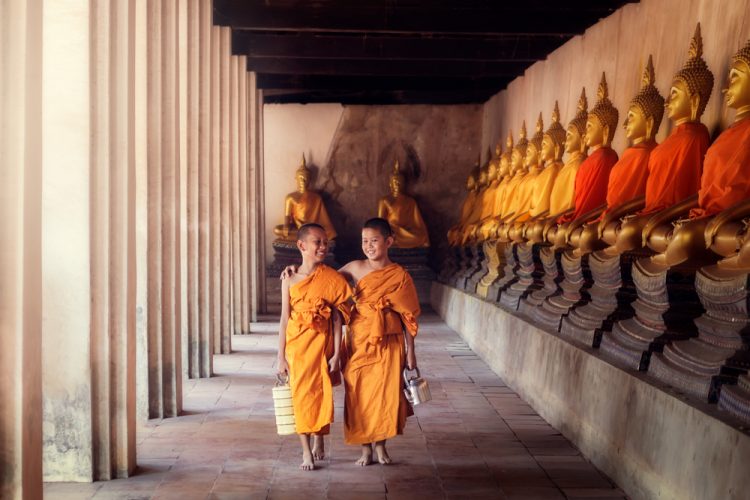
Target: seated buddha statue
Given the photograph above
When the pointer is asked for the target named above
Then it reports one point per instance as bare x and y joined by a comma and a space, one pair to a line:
402, 213
468, 230
550, 164
724, 190
511, 193
471, 195
489, 226
561, 197
593, 174
490, 195
627, 181
674, 165
303, 207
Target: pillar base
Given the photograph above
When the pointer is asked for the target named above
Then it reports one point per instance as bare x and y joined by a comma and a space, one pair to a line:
529, 278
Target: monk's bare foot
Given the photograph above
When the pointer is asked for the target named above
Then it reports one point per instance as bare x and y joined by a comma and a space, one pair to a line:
366, 458
382, 453
308, 463
318, 449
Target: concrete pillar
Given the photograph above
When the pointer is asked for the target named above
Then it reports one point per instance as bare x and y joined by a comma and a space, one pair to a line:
205, 345
256, 202
215, 189
164, 290
234, 186
20, 252
184, 195
244, 197
225, 193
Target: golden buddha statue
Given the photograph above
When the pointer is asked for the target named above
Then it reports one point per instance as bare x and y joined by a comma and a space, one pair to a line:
533, 168
490, 196
468, 230
402, 213
674, 165
725, 189
518, 172
472, 187
504, 175
303, 207
561, 197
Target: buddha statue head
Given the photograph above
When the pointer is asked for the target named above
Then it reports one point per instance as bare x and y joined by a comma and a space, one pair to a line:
302, 176
737, 93
553, 142
472, 181
577, 127
601, 123
504, 168
691, 86
646, 109
492, 170
519, 151
534, 147
397, 181
483, 180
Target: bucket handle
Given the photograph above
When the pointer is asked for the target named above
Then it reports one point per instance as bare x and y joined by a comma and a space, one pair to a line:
282, 379
407, 370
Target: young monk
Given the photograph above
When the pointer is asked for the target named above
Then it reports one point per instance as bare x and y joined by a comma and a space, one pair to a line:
313, 302
379, 342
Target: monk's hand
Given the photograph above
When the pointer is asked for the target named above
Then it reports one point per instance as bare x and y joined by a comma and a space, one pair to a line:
333, 363
283, 366
288, 272
411, 360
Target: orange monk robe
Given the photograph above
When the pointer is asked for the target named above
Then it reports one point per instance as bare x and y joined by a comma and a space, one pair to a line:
674, 167
591, 182
726, 171
309, 208
386, 304
628, 177
541, 190
562, 197
309, 344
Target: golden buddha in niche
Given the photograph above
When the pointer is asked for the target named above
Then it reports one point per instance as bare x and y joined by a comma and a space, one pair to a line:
303, 207
402, 213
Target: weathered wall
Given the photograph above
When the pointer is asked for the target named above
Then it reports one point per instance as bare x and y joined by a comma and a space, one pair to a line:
620, 45
650, 441
352, 149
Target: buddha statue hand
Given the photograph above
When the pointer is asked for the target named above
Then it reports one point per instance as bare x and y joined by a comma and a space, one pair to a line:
614, 214
721, 231
666, 216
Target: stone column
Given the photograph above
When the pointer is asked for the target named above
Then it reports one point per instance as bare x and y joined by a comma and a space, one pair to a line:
225, 192
184, 194
215, 188
205, 344
164, 314
234, 185
20, 254
244, 197
255, 203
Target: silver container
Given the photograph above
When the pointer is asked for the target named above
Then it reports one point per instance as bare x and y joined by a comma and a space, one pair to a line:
416, 389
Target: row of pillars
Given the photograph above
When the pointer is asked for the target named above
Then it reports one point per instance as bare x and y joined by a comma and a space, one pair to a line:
130, 151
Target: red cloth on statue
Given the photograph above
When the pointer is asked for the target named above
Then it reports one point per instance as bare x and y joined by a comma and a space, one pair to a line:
591, 182
628, 177
726, 171
675, 167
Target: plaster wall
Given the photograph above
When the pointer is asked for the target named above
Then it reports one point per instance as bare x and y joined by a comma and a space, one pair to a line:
351, 150
620, 45
647, 438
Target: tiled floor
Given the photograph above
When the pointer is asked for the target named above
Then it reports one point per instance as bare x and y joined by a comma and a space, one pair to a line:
475, 439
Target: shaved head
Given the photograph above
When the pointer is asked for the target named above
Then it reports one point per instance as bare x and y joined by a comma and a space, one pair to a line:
306, 229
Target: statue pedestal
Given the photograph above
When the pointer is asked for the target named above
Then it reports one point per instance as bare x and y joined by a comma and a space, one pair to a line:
285, 253
507, 276
553, 275
494, 257
571, 294
528, 277
665, 311
699, 366
480, 269
450, 265
611, 295
472, 264
415, 261
735, 399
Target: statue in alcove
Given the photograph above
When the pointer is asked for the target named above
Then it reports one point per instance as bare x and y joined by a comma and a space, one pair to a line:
402, 213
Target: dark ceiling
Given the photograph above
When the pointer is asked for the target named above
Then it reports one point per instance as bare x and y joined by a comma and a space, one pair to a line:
398, 51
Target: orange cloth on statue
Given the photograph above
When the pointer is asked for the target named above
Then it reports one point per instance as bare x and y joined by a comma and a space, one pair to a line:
386, 304
674, 167
591, 182
726, 171
309, 343
309, 208
562, 197
628, 177
542, 190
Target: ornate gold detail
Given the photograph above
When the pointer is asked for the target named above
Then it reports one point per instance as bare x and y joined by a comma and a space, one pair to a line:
536, 140
579, 121
695, 73
604, 110
648, 99
555, 131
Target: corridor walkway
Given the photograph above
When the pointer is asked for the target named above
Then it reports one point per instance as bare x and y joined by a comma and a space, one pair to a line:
476, 439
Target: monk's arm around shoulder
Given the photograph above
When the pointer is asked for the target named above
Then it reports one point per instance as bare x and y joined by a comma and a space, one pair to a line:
282, 366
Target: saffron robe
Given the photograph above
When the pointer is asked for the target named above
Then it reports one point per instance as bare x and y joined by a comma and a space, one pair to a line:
591, 182
542, 190
628, 177
386, 304
726, 171
562, 196
674, 167
309, 344
404, 217
308, 207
